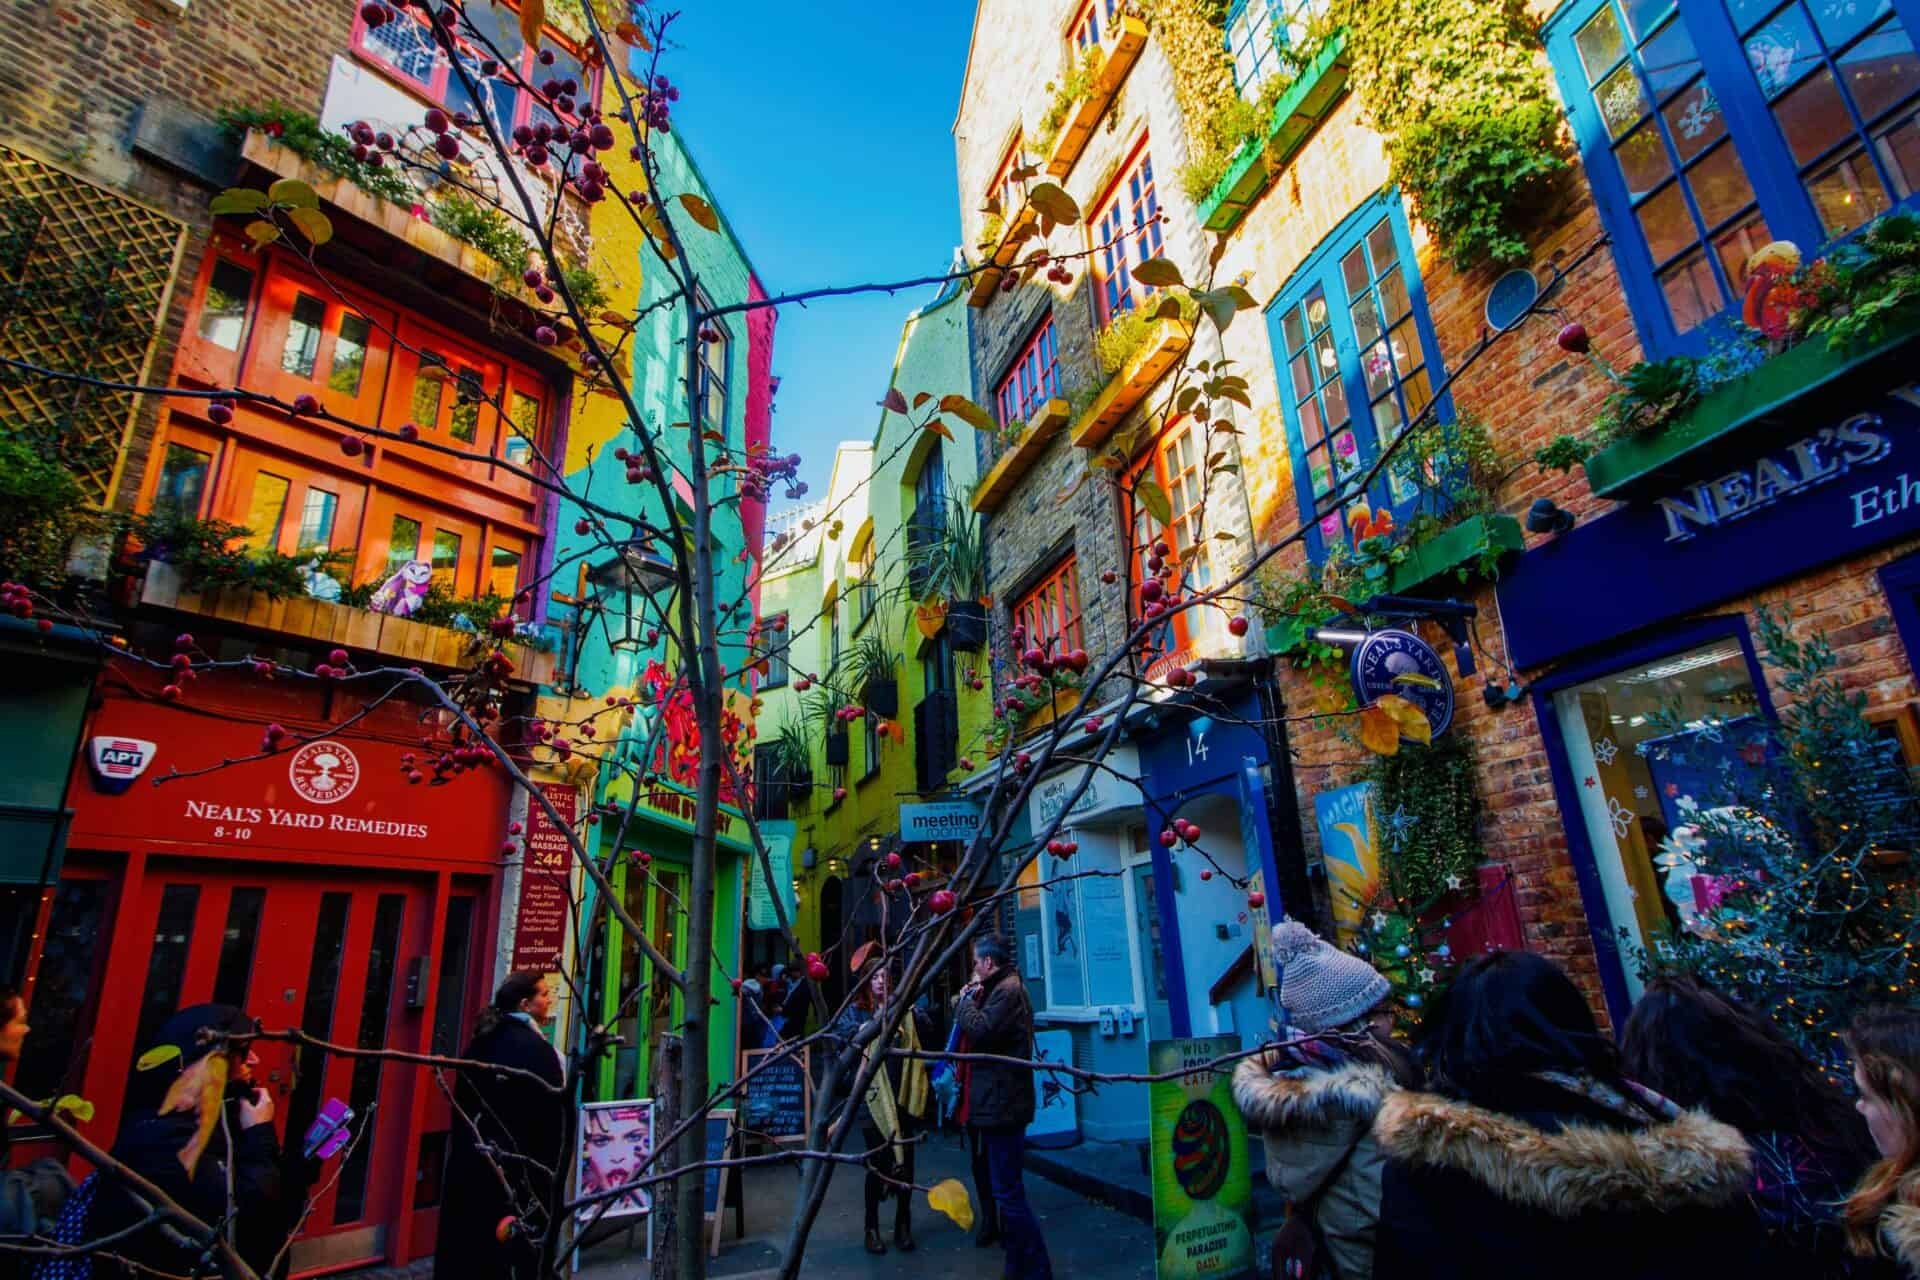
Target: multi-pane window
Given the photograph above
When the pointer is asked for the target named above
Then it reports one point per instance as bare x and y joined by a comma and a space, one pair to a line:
1032, 379
265, 509
316, 522
1175, 464
1007, 193
429, 381
223, 313
774, 642
1712, 127
183, 480
870, 732
866, 588
468, 392
713, 373
833, 634
1126, 233
1092, 24
1258, 34
503, 577
446, 557
483, 33
303, 336
350, 354
1050, 610
1355, 349
525, 421
403, 542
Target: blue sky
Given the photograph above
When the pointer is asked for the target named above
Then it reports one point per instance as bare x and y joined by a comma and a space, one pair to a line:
826, 131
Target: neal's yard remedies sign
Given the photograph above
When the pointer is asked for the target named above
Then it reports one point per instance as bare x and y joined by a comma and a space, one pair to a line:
1842, 483
1202, 1185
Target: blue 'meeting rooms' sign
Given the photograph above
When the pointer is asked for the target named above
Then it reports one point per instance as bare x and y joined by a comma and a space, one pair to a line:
944, 820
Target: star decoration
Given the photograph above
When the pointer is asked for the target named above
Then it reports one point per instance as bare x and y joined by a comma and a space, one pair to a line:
1399, 823
1687, 804
1426, 976
1589, 782
1453, 881
1379, 919
1640, 792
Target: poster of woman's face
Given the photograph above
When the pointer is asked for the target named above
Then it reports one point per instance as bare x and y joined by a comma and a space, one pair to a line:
616, 1139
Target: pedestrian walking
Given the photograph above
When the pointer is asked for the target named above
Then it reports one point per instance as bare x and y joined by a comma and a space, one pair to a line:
176, 1131
1313, 1099
1538, 1158
507, 1129
758, 1010
1883, 1213
894, 1111
997, 1098
1701, 1049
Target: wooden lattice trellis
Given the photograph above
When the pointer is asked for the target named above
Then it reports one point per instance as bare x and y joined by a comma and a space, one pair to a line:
85, 277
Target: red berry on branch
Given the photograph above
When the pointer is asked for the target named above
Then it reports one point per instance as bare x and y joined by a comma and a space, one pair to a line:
1573, 339
941, 901
1256, 900
171, 693
817, 969
352, 446
1237, 626
1206, 873
306, 404
1169, 838
219, 415
409, 431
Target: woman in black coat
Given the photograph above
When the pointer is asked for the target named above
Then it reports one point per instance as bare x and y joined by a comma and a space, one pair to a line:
895, 1107
1537, 1158
1703, 1049
519, 1117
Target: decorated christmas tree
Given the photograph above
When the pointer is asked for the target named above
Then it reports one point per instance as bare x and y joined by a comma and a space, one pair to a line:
1805, 859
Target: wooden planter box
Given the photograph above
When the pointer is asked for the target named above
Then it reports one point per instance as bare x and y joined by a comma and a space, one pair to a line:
1126, 37
1008, 470
1166, 342
1018, 229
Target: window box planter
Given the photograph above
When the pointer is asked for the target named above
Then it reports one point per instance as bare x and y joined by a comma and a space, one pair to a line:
1125, 40
1298, 113
1424, 567
1016, 461
883, 698
1018, 229
1450, 549
1721, 426
967, 622
399, 641
838, 745
1166, 342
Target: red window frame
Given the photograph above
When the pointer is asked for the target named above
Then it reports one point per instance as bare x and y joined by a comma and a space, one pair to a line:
1124, 232
1032, 379
1004, 188
1050, 610
1092, 24
1176, 463
281, 285
434, 86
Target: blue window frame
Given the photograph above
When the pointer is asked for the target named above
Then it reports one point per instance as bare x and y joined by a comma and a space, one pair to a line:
1710, 127
1357, 361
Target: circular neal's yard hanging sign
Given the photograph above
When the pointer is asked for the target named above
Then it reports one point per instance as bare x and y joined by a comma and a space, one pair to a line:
1401, 662
324, 772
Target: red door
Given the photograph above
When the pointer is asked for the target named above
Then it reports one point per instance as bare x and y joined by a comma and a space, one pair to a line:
332, 960
456, 1000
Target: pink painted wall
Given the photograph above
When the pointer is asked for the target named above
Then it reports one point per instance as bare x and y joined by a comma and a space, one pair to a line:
753, 515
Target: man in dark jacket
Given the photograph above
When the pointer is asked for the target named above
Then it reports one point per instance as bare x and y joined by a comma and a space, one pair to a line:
220, 1164
997, 1099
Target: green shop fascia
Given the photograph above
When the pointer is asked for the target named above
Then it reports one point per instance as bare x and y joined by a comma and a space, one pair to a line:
622, 993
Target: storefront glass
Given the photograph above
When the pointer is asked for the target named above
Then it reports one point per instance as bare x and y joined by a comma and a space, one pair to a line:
1647, 748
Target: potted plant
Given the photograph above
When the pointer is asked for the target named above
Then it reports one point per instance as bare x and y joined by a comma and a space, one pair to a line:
957, 570
874, 665
793, 760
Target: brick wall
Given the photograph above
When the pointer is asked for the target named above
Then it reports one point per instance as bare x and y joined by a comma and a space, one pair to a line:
75, 76
1018, 48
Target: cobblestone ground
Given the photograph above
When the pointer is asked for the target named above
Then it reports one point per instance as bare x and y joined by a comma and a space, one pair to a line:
1086, 1238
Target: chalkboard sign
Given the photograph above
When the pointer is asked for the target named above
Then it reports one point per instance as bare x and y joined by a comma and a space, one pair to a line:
779, 1094
719, 1147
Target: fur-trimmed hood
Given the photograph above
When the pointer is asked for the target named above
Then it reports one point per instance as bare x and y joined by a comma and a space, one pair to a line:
1690, 1161
1277, 1100
1900, 1224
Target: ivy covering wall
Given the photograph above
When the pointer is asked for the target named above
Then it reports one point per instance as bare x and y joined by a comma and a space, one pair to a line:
1459, 89
1191, 33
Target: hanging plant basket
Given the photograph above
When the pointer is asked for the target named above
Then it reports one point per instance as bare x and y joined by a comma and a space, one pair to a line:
967, 625
883, 698
837, 748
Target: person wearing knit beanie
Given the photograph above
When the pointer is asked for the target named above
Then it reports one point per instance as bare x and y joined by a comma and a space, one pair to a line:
1321, 987
1313, 1098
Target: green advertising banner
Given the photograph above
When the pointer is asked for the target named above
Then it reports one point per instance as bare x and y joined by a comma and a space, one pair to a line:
1202, 1185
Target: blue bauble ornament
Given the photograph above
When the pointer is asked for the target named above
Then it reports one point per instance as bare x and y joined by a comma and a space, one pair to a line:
1413, 1002
1403, 951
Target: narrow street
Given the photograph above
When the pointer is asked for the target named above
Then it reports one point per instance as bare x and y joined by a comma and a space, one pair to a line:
1083, 1237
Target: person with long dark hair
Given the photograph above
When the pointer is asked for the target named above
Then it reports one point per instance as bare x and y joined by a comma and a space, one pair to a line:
1536, 1157
1702, 1049
1313, 1098
897, 1100
1883, 1213
509, 1136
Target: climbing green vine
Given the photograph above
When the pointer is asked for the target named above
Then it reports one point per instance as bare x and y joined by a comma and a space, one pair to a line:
1428, 808
1459, 90
1190, 34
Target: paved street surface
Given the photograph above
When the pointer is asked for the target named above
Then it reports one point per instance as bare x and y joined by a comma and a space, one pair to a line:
1085, 1238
